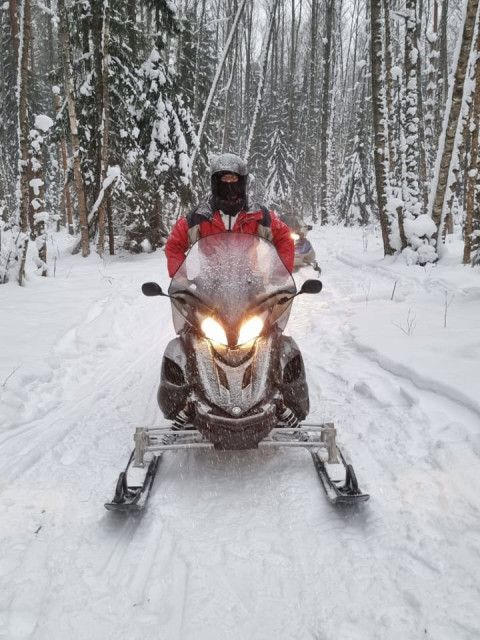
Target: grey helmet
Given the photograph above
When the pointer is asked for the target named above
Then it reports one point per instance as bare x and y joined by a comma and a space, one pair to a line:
229, 197
228, 163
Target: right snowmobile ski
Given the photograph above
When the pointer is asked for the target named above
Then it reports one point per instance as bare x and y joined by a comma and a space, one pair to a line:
339, 481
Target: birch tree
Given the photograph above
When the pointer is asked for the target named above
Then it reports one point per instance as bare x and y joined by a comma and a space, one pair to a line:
105, 128
23, 128
37, 184
379, 119
72, 113
326, 98
67, 196
447, 142
471, 231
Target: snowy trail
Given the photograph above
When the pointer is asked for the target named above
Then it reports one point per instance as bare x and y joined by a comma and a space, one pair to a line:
238, 545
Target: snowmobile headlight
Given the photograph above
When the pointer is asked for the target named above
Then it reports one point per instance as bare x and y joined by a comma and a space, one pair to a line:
294, 236
250, 330
214, 331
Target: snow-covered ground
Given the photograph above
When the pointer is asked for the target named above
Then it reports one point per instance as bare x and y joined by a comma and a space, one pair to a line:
243, 545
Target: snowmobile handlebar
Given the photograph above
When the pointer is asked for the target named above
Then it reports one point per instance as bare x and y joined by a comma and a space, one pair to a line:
154, 289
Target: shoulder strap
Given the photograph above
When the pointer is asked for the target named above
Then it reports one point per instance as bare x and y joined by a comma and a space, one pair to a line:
203, 211
266, 217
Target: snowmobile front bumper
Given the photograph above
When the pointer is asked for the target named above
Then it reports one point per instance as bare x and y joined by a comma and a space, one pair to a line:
235, 433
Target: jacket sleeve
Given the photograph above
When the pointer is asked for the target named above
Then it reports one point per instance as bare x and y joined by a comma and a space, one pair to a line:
177, 246
282, 239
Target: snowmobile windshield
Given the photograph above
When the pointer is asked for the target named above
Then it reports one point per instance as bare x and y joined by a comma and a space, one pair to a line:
232, 276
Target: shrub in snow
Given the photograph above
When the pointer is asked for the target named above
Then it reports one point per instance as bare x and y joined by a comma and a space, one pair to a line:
419, 232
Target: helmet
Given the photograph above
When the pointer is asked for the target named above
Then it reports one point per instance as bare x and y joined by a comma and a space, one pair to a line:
228, 163
229, 197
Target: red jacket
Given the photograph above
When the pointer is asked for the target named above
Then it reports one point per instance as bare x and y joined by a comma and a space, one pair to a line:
203, 221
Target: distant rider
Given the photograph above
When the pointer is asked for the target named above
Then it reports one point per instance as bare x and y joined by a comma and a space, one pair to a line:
227, 209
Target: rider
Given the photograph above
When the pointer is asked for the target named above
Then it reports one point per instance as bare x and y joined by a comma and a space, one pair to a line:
227, 209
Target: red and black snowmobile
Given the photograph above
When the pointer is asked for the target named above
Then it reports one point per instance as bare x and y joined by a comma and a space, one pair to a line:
231, 379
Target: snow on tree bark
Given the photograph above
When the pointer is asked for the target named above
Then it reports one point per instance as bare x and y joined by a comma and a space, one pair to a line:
69, 90
66, 187
105, 129
24, 160
417, 231
37, 185
326, 101
379, 119
432, 72
446, 148
471, 229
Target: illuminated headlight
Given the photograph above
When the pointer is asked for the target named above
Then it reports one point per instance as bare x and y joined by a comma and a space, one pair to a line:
250, 330
295, 236
214, 331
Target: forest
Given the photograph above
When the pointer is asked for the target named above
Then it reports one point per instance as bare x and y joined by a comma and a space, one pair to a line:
348, 112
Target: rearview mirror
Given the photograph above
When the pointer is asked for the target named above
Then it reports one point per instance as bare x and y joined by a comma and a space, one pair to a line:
311, 286
152, 289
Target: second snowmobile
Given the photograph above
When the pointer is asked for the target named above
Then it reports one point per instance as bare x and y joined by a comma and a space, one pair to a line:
231, 379
304, 251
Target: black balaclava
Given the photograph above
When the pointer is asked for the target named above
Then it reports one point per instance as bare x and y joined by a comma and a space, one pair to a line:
229, 197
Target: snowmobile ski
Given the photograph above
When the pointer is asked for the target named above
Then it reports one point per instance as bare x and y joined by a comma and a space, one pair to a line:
133, 486
339, 480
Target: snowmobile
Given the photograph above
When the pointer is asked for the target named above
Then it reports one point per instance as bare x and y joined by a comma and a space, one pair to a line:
304, 252
231, 379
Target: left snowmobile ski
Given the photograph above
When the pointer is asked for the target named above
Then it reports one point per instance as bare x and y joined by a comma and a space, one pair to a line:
133, 486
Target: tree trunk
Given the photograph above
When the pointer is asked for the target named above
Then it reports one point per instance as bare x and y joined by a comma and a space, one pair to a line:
69, 90
40, 216
379, 119
471, 227
97, 53
442, 70
24, 128
312, 150
199, 44
326, 99
12, 5
111, 235
66, 187
105, 125
389, 88
422, 156
446, 150
132, 35
430, 124
412, 124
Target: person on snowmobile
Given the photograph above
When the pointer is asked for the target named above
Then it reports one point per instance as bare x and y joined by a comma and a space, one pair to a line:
227, 209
